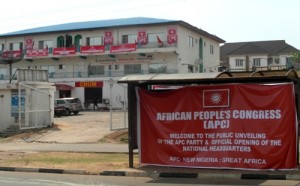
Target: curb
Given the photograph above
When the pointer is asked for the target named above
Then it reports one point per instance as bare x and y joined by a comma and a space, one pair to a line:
161, 174
42, 170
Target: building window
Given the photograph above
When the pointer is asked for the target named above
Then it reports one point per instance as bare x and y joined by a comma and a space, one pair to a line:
153, 37
211, 49
96, 70
256, 62
131, 38
117, 67
60, 41
190, 41
277, 61
93, 41
239, 62
16, 46
2, 47
132, 68
157, 68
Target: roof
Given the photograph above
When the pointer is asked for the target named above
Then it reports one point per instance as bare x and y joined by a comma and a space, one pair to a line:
273, 47
109, 24
218, 77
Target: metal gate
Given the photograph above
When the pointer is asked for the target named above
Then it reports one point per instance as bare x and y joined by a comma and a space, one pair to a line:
34, 107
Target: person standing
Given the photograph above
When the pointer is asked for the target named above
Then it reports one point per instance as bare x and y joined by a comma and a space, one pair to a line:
96, 103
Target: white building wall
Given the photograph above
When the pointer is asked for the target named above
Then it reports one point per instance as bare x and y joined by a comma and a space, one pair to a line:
5, 109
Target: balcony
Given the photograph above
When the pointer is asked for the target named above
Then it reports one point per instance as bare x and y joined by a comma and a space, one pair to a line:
86, 74
82, 51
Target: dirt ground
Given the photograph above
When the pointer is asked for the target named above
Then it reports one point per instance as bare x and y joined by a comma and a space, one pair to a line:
86, 127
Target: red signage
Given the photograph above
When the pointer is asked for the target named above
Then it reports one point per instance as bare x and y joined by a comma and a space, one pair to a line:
172, 36
37, 53
11, 54
129, 47
64, 51
108, 38
231, 126
142, 38
92, 49
89, 84
29, 43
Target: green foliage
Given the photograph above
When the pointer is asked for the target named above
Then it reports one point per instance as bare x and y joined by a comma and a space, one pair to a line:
296, 57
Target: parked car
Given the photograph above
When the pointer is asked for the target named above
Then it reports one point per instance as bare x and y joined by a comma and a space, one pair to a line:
59, 111
71, 105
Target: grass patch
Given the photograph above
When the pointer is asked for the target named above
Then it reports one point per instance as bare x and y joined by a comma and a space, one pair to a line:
90, 162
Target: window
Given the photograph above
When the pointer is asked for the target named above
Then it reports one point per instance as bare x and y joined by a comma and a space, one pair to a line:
3, 73
61, 41
288, 61
2, 47
277, 61
96, 70
211, 49
152, 37
157, 68
239, 62
132, 38
132, 69
15, 46
190, 41
117, 67
256, 62
93, 41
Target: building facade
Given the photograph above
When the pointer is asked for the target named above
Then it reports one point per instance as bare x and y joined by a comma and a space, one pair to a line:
86, 59
257, 55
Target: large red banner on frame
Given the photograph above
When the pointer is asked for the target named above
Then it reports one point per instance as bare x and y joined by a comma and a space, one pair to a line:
238, 126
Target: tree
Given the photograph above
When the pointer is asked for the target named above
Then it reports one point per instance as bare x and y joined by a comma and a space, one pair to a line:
296, 58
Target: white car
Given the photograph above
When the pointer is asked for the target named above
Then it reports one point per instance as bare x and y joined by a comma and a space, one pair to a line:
72, 105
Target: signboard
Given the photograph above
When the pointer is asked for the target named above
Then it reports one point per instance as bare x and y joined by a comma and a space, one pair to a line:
29, 43
108, 38
11, 54
142, 38
92, 49
89, 84
129, 47
235, 126
64, 51
37, 52
15, 102
172, 36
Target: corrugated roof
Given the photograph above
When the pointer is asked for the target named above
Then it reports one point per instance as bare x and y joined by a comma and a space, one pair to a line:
108, 24
273, 47
209, 77
90, 25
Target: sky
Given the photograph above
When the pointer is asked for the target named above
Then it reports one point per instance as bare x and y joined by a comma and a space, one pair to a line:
230, 20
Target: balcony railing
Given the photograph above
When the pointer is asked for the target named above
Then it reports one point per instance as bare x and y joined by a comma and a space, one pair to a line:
99, 50
85, 74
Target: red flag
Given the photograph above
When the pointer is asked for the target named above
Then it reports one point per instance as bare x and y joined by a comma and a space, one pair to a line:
160, 43
216, 98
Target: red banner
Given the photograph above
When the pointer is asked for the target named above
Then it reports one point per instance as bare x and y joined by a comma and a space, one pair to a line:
11, 54
37, 53
172, 36
64, 51
235, 126
142, 38
108, 38
92, 49
29, 43
129, 47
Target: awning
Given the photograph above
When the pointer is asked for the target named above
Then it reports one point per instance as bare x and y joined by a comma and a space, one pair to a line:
63, 87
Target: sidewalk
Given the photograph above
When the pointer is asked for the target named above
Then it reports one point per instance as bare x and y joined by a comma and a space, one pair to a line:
143, 171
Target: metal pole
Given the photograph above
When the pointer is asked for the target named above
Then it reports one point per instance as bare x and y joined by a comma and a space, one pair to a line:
110, 108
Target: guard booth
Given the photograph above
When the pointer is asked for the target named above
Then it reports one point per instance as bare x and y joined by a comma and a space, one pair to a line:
27, 101
226, 120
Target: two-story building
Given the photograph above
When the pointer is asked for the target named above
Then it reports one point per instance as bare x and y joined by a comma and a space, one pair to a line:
85, 59
257, 55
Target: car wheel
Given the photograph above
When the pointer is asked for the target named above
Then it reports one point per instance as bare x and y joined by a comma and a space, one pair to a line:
67, 112
75, 112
